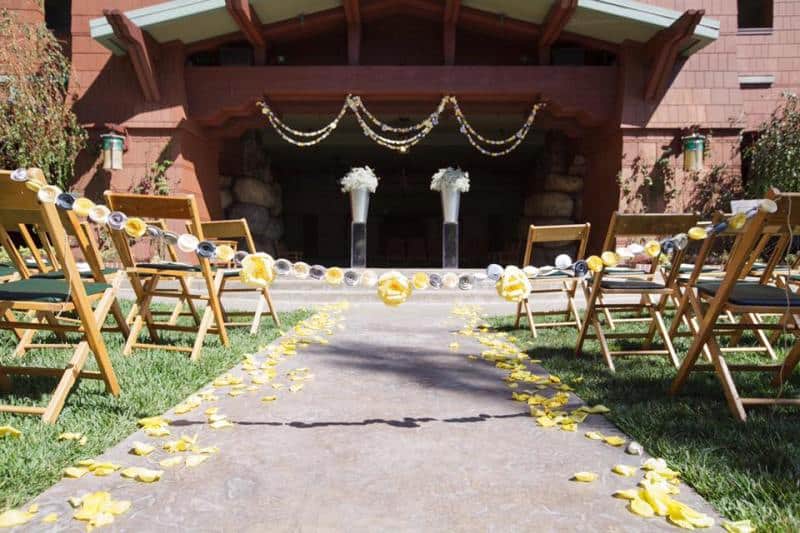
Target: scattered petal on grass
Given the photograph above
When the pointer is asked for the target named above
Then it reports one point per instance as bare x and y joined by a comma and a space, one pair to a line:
141, 448
584, 477
624, 470
80, 438
598, 409
15, 517
614, 441
145, 475
8, 431
742, 526
654, 464
75, 472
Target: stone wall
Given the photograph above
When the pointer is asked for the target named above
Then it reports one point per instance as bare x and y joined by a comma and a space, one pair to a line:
249, 190
555, 195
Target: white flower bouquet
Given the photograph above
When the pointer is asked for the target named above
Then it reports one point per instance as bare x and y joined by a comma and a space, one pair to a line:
452, 178
359, 178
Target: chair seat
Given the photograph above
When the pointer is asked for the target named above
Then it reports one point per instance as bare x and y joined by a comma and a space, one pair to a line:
169, 266
687, 268
552, 274
6, 270
59, 274
753, 294
43, 290
631, 284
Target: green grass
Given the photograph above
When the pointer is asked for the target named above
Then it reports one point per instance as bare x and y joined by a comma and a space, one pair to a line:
152, 381
747, 471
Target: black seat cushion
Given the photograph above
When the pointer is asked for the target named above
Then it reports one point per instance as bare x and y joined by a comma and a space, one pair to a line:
753, 293
169, 266
43, 290
631, 284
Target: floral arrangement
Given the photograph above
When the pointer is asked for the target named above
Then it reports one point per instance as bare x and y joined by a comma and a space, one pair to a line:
359, 178
453, 178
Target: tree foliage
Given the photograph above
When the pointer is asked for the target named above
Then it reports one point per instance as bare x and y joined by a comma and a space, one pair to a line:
775, 155
37, 124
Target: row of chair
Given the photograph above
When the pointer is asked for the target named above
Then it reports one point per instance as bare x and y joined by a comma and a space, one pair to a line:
714, 305
47, 293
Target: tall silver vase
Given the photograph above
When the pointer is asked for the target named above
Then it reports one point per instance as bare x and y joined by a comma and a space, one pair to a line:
359, 205
451, 199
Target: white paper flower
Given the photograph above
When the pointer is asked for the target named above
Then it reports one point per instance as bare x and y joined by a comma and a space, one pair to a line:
359, 178
450, 177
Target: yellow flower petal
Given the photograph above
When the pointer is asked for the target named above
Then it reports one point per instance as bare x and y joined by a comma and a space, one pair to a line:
297, 387
8, 431
742, 526
157, 432
220, 424
614, 441
654, 464
640, 507
140, 448
14, 517
50, 518
194, 460
624, 470
169, 462
584, 477
594, 435
598, 409
75, 472
145, 475
627, 494
269, 398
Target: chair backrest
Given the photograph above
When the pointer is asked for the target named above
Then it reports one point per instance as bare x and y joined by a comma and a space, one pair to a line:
647, 225
566, 232
19, 205
227, 230
178, 207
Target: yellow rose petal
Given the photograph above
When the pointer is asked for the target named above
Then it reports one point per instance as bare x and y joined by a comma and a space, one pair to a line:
220, 424
194, 460
594, 435
614, 441
75, 472
598, 409
145, 475
140, 448
624, 470
296, 387
627, 494
8, 431
584, 477
169, 462
14, 517
269, 398
742, 526
640, 507
50, 518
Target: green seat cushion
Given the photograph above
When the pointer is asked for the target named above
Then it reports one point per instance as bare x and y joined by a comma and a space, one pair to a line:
43, 290
58, 274
6, 270
623, 270
553, 274
689, 267
630, 284
753, 293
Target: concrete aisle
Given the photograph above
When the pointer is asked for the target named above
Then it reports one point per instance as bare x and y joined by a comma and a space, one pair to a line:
395, 432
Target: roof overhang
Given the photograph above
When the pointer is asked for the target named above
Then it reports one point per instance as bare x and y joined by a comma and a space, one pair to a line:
612, 21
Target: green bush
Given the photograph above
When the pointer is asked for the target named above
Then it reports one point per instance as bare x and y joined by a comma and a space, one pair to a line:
775, 154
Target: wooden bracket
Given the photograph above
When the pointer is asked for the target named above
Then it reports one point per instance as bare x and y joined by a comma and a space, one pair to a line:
557, 19
353, 15
142, 50
451, 12
247, 20
663, 49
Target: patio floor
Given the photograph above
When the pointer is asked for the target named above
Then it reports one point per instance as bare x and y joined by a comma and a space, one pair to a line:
397, 430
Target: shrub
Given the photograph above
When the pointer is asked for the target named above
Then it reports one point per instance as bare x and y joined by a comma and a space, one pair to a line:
775, 154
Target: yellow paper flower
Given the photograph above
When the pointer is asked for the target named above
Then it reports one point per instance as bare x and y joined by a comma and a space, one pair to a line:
135, 227
225, 253
652, 248
420, 280
450, 280
393, 288
48, 194
737, 221
8, 431
609, 258
257, 270
82, 206
334, 276
697, 233
514, 285
594, 263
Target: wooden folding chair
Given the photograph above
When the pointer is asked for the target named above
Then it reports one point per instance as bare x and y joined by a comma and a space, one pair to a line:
741, 297
554, 281
147, 279
81, 233
222, 230
642, 285
70, 294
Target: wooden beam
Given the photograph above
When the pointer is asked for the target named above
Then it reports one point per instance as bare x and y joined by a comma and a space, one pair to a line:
353, 16
663, 49
557, 19
247, 20
141, 49
216, 94
451, 11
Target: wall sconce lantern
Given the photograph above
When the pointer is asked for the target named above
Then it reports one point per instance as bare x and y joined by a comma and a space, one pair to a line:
693, 150
113, 146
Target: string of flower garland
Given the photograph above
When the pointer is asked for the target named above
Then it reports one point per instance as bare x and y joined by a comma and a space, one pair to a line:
393, 288
369, 122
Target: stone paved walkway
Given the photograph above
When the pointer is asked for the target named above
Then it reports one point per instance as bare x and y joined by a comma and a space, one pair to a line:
395, 432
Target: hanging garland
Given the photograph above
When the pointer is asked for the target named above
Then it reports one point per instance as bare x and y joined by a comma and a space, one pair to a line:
393, 288
376, 129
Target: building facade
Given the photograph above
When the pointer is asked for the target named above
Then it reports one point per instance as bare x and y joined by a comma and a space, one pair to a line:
623, 81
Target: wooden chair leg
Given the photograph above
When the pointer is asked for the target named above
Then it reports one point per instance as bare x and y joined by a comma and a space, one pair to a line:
65, 384
518, 315
788, 366
694, 350
527, 306
133, 335
189, 301
27, 335
95, 340
272, 310
728, 386
257, 315
202, 331
658, 318
120, 319
216, 307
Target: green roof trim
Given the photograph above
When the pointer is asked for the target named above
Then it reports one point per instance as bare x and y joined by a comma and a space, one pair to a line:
194, 20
